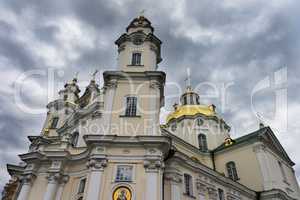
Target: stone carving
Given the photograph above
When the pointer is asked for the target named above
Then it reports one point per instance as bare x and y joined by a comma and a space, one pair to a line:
28, 178
54, 177
153, 165
174, 177
97, 164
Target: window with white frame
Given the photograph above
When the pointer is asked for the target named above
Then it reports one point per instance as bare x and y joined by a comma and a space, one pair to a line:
136, 58
81, 186
231, 170
188, 184
124, 173
131, 106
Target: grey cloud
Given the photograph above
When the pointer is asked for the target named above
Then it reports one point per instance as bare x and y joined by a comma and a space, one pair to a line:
247, 59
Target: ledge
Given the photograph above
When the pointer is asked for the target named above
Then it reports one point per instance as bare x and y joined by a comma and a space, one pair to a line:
128, 116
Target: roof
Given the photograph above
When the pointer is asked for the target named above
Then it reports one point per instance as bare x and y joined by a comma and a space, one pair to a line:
265, 135
191, 110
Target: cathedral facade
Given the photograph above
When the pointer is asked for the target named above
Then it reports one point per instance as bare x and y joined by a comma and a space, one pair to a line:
108, 144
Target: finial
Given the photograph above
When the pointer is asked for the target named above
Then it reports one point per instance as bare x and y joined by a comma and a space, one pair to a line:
75, 77
94, 75
260, 121
142, 12
188, 79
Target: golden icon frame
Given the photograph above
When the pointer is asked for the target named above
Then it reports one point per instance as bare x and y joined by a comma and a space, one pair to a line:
118, 190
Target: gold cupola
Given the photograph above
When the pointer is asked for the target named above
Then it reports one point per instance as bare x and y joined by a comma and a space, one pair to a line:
190, 106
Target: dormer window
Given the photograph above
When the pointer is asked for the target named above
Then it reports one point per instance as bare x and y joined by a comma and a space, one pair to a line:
136, 58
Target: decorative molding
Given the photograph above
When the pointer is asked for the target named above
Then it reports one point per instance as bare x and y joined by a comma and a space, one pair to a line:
54, 177
97, 163
28, 178
258, 148
173, 176
153, 165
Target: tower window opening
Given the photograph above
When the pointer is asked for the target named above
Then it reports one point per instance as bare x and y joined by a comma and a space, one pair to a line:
136, 59
231, 170
54, 122
202, 142
131, 106
185, 100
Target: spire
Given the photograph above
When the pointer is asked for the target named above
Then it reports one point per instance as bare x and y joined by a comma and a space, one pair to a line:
94, 76
142, 12
188, 84
260, 121
75, 79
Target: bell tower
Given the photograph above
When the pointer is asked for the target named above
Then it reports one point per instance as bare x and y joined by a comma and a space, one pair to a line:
138, 48
135, 93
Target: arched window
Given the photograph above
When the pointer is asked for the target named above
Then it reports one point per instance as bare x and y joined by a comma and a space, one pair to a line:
202, 142
231, 170
75, 138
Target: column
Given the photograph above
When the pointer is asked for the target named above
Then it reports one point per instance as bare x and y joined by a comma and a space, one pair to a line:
96, 167
26, 187
53, 181
60, 189
154, 179
175, 181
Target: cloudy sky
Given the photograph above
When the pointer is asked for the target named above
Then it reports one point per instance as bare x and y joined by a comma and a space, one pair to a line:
241, 53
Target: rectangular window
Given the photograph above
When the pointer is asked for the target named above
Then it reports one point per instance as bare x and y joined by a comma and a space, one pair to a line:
136, 59
221, 194
124, 173
188, 184
54, 122
81, 186
131, 104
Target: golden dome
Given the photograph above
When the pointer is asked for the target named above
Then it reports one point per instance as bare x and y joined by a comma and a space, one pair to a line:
191, 110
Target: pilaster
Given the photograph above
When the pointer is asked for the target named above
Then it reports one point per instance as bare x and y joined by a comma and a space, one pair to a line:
26, 184
153, 169
96, 167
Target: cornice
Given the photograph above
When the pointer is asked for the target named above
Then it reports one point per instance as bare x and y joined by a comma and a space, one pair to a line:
161, 142
275, 194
